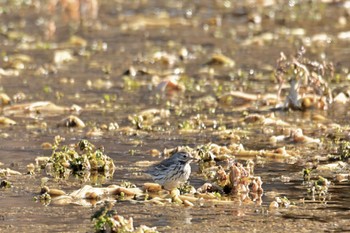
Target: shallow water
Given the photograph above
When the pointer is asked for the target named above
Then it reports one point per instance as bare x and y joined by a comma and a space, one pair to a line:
130, 43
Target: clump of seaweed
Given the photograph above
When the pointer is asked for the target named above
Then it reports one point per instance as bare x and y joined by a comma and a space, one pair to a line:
5, 184
43, 198
106, 219
237, 178
148, 118
186, 188
80, 159
280, 202
317, 186
343, 150
318, 189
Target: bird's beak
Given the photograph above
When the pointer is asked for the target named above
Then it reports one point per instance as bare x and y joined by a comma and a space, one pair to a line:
193, 159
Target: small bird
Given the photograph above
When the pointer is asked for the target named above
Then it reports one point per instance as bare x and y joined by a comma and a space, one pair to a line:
173, 171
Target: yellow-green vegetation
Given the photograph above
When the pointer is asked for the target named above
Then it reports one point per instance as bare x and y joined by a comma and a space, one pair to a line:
5, 184
78, 159
307, 174
106, 219
127, 184
186, 188
43, 198
280, 202
318, 188
103, 219
344, 150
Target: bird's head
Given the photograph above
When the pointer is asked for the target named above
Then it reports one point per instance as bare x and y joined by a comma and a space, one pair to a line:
183, 157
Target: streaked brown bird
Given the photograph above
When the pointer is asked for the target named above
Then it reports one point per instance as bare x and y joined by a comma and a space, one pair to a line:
173, 171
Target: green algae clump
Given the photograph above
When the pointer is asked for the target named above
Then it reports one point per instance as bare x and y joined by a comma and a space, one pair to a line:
78, 159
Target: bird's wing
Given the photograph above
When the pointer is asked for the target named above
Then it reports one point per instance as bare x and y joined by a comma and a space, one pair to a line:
160, 167
165, 163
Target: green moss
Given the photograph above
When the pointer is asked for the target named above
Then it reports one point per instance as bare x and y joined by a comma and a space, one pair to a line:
78, 159
102, 218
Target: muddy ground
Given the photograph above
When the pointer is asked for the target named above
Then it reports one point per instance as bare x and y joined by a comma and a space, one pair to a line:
124, 57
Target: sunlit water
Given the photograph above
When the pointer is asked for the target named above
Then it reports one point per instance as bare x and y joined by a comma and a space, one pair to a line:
19, 211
